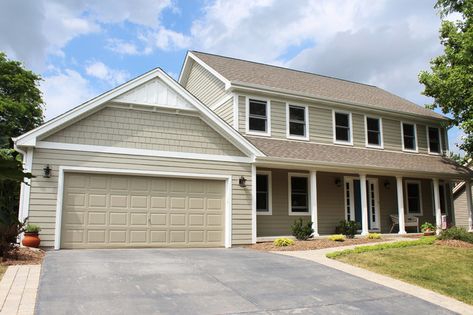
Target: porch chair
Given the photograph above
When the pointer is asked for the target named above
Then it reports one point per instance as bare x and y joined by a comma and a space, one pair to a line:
409, 220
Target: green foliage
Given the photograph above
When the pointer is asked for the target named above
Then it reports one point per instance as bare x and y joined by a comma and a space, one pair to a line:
348, 228
283, 242
32, 228
456, 233
10, 228
401, 244
427, 227
450, 78
302, 230
337, 238
374, 236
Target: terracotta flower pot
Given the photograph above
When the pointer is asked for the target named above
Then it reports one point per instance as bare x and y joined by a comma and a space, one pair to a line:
31, 240
429, 233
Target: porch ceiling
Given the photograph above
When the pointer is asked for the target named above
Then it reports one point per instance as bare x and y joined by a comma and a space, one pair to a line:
323, 154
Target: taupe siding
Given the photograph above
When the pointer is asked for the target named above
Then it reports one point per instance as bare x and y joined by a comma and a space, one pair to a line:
242, 113
116, 127
321, 125
44, 190
387, 202
460, 208
278, 120
422, 138
392, 134
226, 111
358, 126
204, 85
331, 203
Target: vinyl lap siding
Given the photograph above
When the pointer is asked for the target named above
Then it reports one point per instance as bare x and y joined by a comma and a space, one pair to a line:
278, 120
226, 111
44, 190
320, 125
422, 138
392, 134
204, 85
125, 128
358, 125
460, 208
241, 113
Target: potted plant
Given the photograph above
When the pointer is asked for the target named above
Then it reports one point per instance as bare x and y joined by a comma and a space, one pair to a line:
428, 228
31, 238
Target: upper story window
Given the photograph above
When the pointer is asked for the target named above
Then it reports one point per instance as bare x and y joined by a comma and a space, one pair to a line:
434, 140
342, 128
414, 197
409, 137
258, 116
263, 192
374, 133
298, 194
297, 122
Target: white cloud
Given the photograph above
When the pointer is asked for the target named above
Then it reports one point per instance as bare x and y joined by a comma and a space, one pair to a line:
65, 90
121, 47
100, 71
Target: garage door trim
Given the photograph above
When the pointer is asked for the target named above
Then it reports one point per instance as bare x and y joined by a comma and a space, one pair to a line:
111, 171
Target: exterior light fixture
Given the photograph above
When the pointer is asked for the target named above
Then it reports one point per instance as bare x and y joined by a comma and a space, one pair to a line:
338, 182
242, 182
47, 172
387, 184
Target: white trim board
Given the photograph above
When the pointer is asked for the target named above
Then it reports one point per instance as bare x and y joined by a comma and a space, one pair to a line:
183, 76
266, 133
289, 177
334, 127
71, 169
306, 121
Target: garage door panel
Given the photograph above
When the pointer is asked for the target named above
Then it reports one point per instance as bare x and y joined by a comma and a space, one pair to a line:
128, 211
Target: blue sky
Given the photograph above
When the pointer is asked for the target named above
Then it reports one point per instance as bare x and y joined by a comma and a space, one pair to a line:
82, 48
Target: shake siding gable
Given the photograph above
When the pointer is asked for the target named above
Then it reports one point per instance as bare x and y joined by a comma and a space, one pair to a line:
204, 85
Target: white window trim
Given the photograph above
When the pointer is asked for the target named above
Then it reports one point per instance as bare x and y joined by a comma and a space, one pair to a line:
334, 127
306, 122
418, 182
300, 214
446, 205
381, 137
428, 140
415, 137
270, 193
268, 118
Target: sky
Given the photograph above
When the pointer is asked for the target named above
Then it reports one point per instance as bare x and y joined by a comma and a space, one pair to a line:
83, 48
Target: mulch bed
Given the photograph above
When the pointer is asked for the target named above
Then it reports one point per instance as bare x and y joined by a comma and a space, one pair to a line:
313, 244
454, 243
24, 256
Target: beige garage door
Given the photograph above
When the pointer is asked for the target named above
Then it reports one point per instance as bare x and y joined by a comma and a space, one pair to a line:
102, 211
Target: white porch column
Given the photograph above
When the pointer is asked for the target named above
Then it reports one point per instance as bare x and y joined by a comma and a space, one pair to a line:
400, 205
253, 204
438, 211
364, 205
313, 202
469, 205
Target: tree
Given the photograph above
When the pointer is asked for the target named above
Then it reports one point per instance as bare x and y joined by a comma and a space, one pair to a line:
450, 81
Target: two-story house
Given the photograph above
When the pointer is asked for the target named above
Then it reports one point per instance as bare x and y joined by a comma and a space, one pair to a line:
234, 151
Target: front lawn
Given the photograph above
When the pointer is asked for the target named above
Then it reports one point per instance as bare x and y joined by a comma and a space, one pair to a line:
442, 268
2, 270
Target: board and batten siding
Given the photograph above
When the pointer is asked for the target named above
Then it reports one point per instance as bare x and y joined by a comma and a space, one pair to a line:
128, 128
204, 85
225, 111
43, 193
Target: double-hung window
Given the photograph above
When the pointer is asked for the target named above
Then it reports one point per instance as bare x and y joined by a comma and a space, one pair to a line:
298, 194
434, 140
342, 127
258, 116
263, 193
414, 197
409, 137
297, 122
374, 137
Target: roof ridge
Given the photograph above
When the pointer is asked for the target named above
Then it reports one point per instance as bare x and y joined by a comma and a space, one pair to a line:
286, 68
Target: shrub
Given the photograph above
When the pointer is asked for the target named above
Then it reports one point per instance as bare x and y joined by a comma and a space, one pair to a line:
283, 241
302, 230
456, 233
10, 228
427, 227
32, 228
348, 228
374, 236
337, 237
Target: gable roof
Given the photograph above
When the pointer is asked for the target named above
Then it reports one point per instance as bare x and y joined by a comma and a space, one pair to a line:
127, 93
242, 73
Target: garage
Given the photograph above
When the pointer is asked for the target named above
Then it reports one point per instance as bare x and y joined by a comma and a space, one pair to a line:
107, 211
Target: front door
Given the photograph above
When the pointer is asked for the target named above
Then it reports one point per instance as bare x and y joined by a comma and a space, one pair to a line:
353, 201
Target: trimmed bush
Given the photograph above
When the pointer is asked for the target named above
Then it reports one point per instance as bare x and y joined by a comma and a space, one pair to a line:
337, 238
374, 236
302, 230
283, 242
456, 233
348, 228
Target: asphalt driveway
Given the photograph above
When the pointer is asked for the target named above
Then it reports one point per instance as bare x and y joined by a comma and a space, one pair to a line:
208, 281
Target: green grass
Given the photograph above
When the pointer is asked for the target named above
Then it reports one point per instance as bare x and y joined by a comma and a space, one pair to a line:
2, 270
446, 270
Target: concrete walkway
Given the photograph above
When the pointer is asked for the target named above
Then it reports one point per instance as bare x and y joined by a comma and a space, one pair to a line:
18, 289
319, 256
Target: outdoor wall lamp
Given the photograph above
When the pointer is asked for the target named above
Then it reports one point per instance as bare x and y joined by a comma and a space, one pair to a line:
47, 171
242, 182
338, 182
387, 184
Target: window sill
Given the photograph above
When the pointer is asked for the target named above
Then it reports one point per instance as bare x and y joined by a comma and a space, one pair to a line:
343, 143
297, 138
264, 213
415, 214
372, 146
258, 133
299, 214
410, 151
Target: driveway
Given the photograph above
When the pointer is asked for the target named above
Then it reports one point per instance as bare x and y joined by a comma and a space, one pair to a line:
208, 281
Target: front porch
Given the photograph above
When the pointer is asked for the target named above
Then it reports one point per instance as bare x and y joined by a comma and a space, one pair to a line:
326, 198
